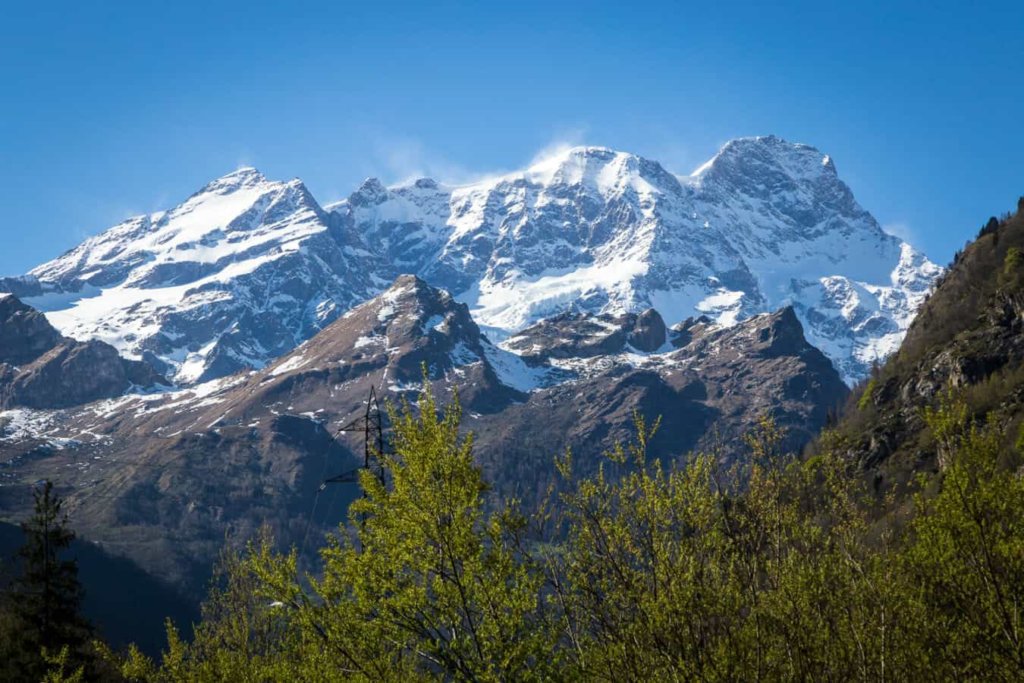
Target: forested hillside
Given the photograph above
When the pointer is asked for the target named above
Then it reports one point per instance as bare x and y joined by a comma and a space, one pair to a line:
967, 339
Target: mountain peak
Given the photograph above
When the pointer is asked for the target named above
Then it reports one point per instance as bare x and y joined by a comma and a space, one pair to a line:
412, 289
756, 156
603, 167
243, 177
371, 191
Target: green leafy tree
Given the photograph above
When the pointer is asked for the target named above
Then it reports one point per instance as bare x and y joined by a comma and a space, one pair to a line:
760, 572
424, 583
777, 568
967, 552
428, 583
242, 636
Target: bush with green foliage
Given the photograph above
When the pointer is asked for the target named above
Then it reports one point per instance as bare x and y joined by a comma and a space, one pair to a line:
1013, 265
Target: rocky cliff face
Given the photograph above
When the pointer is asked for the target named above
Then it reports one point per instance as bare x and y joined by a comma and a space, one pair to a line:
247, 268
25, 334
585, 335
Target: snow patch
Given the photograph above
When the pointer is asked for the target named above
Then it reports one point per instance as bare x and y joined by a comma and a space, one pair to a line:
293, 363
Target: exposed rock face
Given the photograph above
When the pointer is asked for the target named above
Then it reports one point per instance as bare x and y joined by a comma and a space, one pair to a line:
74, 373
174, 472
585, 335
247, 268
25, 334
649, 332
40, 369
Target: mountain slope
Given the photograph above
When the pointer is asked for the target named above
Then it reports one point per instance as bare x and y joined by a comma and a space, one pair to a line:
968, 338
163, 477
241, 272
246, 269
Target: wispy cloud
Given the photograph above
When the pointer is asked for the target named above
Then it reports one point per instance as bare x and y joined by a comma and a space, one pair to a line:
900, 229
400, 159
560, 143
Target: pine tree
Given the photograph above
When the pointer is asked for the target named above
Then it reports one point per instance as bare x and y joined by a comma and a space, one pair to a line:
46, 598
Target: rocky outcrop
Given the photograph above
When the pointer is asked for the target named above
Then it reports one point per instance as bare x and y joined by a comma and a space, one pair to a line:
41, 369
648, 332
587, 335
74, 373
25, 334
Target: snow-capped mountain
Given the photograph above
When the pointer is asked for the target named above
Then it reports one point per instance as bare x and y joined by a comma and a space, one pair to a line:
247, 268
762, 225
241, 272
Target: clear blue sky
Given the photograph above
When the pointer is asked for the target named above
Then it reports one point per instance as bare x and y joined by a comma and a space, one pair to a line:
111, 109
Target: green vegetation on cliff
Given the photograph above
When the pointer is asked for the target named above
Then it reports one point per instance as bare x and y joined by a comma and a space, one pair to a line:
968, 336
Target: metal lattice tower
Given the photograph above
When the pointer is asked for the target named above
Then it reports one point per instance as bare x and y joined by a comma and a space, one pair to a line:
371, 424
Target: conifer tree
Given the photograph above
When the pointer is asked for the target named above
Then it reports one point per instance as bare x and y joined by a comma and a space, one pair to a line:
46, 597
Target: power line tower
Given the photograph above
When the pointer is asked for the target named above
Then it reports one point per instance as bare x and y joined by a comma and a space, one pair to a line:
371, 424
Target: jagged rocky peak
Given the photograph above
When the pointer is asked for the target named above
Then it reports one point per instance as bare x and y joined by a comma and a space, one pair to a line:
410, 303
387, 342
414, 314
605, 169
752, 153
682, 333
767, 336
408, 324
246, 176
371, 192
780, 333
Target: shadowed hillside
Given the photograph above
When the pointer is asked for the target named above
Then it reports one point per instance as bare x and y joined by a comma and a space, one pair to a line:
126, 604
